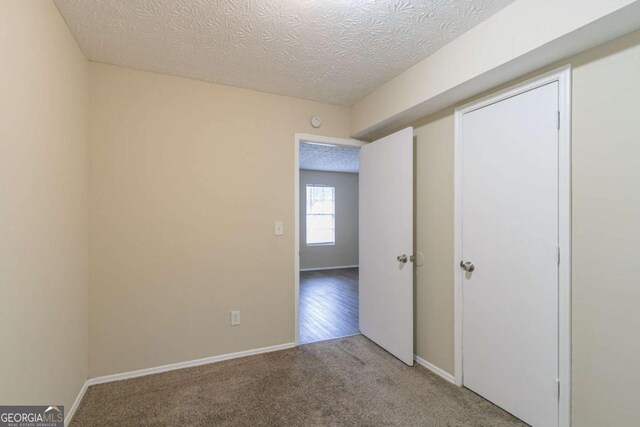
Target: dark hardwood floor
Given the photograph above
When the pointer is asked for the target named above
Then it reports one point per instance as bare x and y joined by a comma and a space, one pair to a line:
328, 304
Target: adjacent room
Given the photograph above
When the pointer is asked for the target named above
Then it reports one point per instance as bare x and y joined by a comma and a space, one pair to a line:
328, 288
319, 213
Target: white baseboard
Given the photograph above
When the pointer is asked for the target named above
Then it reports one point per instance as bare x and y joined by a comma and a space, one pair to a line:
433, 368
329, 268
166, 368
72, 411
187, 364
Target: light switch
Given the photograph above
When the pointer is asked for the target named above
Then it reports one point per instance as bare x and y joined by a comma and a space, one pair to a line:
279, 228
235, 318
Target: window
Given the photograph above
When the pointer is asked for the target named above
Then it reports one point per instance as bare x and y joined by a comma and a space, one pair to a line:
321, 215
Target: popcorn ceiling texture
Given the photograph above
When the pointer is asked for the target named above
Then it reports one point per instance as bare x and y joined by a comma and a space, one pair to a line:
329, 159
333, 51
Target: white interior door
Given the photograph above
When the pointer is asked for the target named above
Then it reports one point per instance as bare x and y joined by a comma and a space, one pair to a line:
510, 235
386, 243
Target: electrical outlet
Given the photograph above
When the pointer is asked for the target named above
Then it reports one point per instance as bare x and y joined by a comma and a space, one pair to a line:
278, 228
235, 318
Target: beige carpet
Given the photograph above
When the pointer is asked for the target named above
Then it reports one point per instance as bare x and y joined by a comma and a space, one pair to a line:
349, 381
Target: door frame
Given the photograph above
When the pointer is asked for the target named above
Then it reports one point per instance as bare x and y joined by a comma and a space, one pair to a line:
298, 138
561, 75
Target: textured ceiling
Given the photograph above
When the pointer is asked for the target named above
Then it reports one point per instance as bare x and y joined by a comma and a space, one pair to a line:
334, 51
329, 158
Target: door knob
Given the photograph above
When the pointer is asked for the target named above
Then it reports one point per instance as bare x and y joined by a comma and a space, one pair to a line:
402, 258
467, 266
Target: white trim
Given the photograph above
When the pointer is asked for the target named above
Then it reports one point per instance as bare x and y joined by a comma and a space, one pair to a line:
561, 75
72, 411
457, 248
298, 137
187, 364
349, 142
433, 368
564, 241
328, 268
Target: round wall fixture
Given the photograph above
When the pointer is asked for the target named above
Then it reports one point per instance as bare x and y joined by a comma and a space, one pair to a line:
316, 122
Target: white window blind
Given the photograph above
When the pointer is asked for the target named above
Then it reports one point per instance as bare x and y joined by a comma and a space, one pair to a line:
321, 215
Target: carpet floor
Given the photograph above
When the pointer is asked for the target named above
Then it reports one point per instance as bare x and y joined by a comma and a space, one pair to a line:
349, 381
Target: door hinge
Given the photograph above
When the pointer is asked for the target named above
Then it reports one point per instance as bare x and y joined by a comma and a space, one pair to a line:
558, 388
558, 120
558, 255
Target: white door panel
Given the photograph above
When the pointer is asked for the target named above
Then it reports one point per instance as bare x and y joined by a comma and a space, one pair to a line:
386, 232
510, 234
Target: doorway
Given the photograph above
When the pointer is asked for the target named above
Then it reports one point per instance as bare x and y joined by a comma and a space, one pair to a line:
326, 238
385, 237
512, 234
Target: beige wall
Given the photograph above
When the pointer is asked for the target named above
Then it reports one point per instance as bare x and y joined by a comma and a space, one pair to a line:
606, 235
606, 240
345, 250
434, 239
187, 180
44, 207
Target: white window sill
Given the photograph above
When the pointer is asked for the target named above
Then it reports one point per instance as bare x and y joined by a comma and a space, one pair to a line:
321, 244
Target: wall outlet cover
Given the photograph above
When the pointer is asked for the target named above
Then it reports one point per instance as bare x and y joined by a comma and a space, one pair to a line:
278, 228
